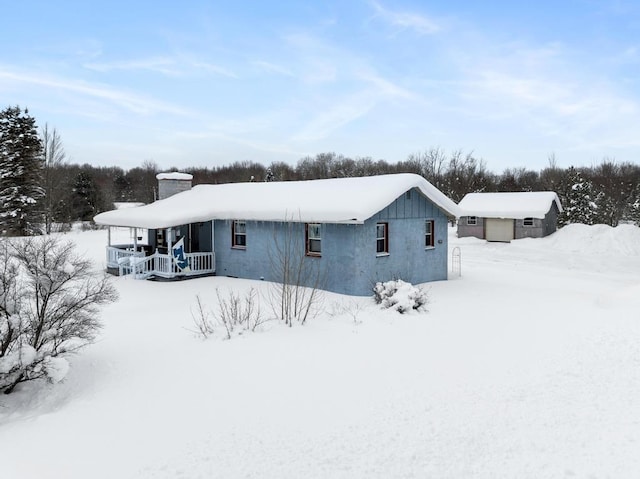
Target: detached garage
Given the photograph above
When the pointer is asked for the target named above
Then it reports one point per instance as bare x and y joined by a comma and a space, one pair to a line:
507, 216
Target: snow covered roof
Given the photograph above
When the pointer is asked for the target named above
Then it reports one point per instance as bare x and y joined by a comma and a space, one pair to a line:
120, 205
174, 176
530, 204
337, 200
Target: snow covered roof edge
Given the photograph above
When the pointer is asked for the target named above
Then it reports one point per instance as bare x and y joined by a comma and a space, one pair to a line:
518, 205
337, 200
174, 176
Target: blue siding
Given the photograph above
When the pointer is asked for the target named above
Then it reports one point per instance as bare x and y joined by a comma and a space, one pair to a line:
349, 262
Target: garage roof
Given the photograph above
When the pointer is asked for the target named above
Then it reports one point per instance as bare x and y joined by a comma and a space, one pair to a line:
517, 205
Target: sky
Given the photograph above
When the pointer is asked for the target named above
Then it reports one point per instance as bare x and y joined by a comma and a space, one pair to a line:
208, 83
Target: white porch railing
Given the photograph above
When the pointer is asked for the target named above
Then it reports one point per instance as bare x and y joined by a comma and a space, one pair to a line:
117, 253
162, 265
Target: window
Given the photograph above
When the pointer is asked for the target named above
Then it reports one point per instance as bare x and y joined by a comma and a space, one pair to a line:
238, 234
382, 238
527, 222
313, 239
428, 235
472, 220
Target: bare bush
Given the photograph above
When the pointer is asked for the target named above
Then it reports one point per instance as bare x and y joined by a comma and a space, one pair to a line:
297, 291
49, 305
352, 309
235, 314
202, 319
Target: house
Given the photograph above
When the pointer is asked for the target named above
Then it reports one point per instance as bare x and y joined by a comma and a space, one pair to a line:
508, 216
346, 232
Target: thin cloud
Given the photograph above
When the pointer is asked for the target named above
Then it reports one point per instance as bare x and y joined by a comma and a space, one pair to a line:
174, 66
384, 87
216, 69
129, 101
332, 118
159, 64
169, 66
421, 24
272, 68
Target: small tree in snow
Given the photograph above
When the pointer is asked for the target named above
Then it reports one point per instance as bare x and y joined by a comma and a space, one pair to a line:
53, 176
49, 303
578, 199
297, 289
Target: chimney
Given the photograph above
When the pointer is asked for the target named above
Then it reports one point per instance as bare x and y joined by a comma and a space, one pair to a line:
171, 183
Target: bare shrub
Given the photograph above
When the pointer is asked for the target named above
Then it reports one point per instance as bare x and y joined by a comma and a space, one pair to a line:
202, 319
235, 314
352, 309
49, 305
297, 291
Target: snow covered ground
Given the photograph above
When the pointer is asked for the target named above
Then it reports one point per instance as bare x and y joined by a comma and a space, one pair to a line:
528, 366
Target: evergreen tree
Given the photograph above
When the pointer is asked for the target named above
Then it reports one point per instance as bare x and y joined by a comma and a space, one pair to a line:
578, 199
632, 212
21, 169
607, 209
85, 197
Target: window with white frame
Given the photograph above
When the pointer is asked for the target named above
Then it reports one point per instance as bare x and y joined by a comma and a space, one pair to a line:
527, 222
429, 240
239, 234
472, 220
382, 238
313, 239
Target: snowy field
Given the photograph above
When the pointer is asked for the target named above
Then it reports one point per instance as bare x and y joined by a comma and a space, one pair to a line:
527, 366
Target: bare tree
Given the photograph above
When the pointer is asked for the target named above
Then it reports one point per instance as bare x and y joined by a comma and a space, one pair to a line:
433, 163
49, 304
296, 292
54, 186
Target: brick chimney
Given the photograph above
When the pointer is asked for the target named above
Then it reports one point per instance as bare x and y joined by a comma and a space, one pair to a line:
171, 183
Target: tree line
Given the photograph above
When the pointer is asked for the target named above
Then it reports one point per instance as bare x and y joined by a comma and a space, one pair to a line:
607, 193
40, 190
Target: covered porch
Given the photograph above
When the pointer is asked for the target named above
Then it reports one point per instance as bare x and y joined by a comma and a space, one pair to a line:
166, 253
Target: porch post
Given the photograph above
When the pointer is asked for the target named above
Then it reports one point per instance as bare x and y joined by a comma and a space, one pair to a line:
135, 239
213, 235
109, 235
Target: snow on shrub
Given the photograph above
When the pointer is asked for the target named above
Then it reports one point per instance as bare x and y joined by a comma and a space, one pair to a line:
401, 296
55, 369
49, 304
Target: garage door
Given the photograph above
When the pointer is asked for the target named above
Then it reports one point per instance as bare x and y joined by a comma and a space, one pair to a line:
499, 229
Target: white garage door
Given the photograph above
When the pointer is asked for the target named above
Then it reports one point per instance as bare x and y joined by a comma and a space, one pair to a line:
499, 229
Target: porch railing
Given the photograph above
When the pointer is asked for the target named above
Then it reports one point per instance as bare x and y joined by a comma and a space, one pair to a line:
162, 265
117, 253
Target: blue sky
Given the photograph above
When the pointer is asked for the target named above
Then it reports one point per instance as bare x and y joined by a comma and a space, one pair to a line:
204, 83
